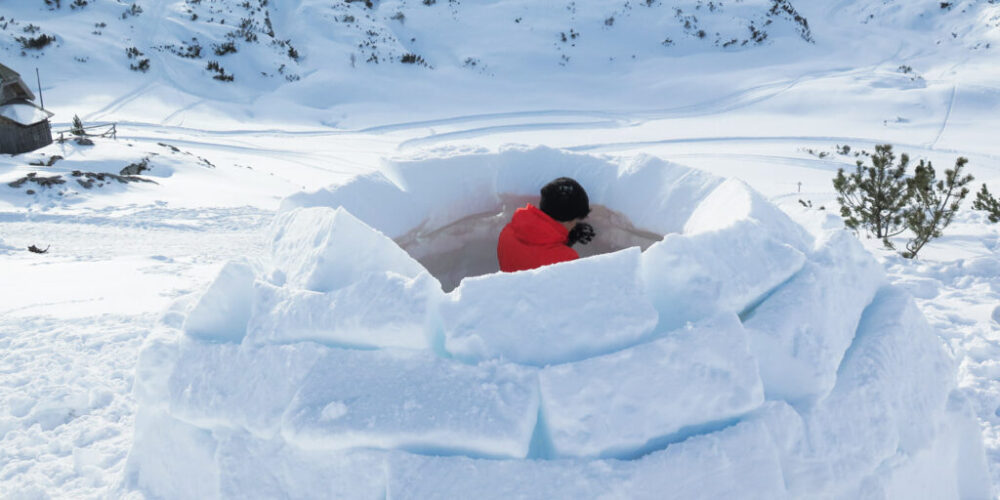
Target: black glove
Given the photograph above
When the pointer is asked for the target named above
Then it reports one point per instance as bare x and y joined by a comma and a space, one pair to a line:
581, 233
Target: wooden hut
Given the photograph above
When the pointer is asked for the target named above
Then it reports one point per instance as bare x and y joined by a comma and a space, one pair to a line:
23, 125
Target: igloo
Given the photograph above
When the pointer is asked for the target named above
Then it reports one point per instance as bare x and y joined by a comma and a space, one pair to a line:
706, 346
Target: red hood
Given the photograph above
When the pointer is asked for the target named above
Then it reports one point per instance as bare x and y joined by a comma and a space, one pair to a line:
534, 227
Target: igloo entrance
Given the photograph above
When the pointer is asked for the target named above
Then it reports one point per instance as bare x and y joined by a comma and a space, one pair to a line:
467, 246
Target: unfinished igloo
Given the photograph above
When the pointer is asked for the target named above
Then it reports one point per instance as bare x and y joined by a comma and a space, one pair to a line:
706, 347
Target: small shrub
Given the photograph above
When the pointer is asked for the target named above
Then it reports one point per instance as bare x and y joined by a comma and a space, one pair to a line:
986, 202
78, 4
220, 72
412, 59
874, 197
142, 65
77, 128
934, 203
224, 48
132, 11
35, 43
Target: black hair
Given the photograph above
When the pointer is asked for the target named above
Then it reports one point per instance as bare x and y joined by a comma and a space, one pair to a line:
564, 199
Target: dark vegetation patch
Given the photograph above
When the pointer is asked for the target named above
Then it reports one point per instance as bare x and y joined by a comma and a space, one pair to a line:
43, 163
136, 168
89, 179
220, 72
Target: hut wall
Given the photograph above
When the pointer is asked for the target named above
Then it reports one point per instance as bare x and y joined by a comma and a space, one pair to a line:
17, 139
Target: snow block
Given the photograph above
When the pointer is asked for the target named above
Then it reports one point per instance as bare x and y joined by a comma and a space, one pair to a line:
525, 170
554, 314
799, 333
889, 401
380, 310
690, 277
738, 462
617, 405
414, 401
240, 387
657, 195
171, 459
324, 249
732, 202
222, 313
393, 215
449, 188
252, 468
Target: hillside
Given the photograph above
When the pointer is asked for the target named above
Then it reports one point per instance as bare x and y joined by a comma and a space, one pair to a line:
329, 62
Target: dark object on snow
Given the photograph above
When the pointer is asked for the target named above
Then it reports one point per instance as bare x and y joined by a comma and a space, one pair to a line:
52, 161
83, 141
34, 249
87, 179
564, 200
23, 125
581, 233
41, 181
136, 168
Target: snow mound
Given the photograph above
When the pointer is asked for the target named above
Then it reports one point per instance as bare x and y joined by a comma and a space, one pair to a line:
707, 347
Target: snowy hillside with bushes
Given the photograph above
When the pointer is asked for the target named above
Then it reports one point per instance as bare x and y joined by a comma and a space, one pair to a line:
269, 268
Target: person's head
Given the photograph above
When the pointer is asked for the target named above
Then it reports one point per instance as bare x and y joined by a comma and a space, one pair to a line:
565, 200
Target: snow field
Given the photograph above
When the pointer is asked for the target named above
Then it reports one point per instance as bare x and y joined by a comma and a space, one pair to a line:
662, 401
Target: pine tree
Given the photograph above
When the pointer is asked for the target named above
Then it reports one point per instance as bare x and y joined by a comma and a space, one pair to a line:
985, 201
933, 203
77, 128
874, 198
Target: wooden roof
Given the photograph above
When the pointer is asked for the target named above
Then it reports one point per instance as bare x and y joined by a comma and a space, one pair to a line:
12, 86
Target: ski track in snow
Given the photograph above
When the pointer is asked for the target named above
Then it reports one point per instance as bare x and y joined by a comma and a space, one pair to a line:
947, 115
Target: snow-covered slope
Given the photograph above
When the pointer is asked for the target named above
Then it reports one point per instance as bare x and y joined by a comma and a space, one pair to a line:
342, 63
737, 356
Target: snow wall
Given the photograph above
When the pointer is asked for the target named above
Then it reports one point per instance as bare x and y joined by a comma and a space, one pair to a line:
737, 356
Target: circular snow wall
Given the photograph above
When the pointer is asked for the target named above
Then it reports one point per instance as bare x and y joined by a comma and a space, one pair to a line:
736, 357
447, 212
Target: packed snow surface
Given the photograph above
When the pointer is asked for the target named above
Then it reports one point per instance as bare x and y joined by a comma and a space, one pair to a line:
738, 348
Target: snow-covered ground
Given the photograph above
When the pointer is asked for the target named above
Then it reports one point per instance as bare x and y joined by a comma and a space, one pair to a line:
224, 154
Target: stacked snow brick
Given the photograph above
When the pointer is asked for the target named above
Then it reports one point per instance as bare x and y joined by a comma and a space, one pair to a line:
737, 357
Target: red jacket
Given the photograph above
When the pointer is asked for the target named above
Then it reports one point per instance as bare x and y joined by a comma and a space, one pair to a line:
532, 239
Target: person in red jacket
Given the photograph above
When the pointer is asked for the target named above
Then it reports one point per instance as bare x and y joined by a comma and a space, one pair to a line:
537, 237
